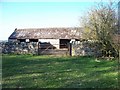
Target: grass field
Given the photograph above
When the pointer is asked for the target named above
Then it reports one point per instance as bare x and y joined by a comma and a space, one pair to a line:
27, 71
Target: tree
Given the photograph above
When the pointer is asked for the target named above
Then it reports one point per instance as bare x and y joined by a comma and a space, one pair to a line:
100, 24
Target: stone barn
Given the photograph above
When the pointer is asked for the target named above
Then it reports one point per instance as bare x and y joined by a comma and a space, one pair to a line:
47, 38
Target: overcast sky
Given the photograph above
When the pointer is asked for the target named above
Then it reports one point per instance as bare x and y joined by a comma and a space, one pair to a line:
38, 14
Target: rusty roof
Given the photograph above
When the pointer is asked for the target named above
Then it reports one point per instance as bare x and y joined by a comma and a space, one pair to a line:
47, 33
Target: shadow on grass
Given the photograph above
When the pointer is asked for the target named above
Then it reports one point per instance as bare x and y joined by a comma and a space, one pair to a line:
27, 71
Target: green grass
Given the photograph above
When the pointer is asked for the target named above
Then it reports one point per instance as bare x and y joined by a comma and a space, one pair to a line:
27, 71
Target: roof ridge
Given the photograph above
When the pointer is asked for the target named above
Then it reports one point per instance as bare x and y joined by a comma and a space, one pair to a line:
48, 28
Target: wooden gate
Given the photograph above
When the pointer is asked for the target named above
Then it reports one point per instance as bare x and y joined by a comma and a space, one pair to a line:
48, 49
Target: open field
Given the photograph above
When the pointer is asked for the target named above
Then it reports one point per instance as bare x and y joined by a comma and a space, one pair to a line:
27, 71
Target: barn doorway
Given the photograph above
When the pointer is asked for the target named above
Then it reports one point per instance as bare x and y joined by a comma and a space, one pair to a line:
64, 43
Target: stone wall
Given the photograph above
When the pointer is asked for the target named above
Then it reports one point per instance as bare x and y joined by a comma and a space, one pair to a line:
85, 48
19, 48
29, 48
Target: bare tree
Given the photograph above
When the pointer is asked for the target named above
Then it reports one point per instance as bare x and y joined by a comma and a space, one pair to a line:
100, 24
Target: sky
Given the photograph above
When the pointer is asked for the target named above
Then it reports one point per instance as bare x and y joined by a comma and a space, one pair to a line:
40, 14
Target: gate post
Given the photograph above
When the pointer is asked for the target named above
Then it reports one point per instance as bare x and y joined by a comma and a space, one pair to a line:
70, 49
38, 47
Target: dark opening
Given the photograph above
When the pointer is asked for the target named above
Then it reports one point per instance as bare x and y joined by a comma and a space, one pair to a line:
21, 40
64, 43
33, 40
77, 40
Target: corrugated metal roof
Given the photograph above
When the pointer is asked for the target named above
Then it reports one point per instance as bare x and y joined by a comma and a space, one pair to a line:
47, 33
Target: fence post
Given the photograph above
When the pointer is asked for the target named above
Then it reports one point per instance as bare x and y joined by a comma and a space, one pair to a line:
70, 49
38, 47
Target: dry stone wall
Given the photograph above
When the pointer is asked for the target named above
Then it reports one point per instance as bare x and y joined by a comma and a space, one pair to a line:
86, 48
19, 48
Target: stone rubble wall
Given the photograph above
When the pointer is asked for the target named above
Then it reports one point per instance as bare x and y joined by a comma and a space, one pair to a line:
19, 48
86, 48
28, 48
